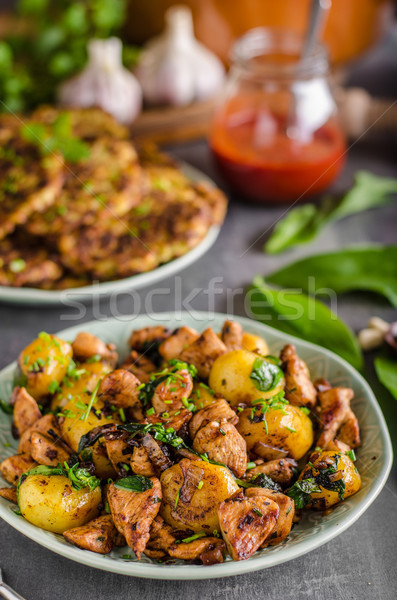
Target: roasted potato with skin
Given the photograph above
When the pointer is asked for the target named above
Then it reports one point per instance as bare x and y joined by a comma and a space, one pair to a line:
344, 470
254, 343
188, 504
43, 362
82, 387
202, 395
288, 429
50, 502
230, 377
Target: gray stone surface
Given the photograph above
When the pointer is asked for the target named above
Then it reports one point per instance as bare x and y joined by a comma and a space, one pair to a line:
359, 564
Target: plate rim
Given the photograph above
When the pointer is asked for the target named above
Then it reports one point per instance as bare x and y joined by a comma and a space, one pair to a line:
230, 568
38, 297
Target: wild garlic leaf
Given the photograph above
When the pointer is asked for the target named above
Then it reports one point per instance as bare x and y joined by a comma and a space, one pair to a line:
265, 375
369, 268
303, 223
134, 483
301, 491
304, 317
386, 370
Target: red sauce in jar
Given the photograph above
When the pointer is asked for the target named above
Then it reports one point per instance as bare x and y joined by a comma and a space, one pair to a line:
261, 162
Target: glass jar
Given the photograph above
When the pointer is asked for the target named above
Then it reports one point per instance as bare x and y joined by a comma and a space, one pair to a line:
275, 134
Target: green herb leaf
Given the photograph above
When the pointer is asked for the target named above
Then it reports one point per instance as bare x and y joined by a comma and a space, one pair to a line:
302, 224
264, 481
196, 536
304, 317
372, 269
134, 483
5, 407
386, 370
301, 491
265, 375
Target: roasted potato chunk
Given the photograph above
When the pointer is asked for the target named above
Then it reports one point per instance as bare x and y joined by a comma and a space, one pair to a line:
97, 535
26, 410
335, 475
50, 502
217, 411
79, 388
232, 377
222, 443
246, 522
278, 432
12, 467
203, 352
299, 389
192, 492
134, 512
44, 362
254, 343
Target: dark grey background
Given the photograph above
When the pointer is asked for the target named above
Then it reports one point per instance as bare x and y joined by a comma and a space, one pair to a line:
361, 563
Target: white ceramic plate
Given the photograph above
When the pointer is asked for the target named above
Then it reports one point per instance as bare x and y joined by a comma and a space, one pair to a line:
374, 458
35, 296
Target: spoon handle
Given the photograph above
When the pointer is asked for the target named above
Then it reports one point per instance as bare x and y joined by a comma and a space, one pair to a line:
318, 12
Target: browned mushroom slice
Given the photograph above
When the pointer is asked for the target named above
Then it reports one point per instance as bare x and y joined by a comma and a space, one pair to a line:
246, 523
46, 425
156, 453
209, 550
119, 453
222, 443
26, 410
220, 409
281, 471
203, 352
86, 346
134, 512
299, 389
120, 388
45, 452
179, 339
285, 516
142, 339
141, 366
336, 417
97, 535
9, 494
232, 335
171, 393
140, 463
12, 467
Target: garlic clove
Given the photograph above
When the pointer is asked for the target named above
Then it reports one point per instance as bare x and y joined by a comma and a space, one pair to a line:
379, 324
105, 83
175, 68
370, 338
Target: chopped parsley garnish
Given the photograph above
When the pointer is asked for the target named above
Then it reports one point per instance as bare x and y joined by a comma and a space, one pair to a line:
5, 407
53, 387
351, 454
305, 410
177, 498
200, 485
91, 401
257, 512
196, 536
265, 375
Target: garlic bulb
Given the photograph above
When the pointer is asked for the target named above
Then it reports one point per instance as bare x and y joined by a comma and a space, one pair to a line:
175, 68
104, 83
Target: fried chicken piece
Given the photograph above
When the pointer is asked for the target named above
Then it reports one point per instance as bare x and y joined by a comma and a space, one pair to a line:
140, 462
219, 410
285, 516
141, 366
280, 470
209, 550
45, 452
177, 419
86, 345
232, 335
14, 466
178, 340
169, 394
97, 535
161, 538
26, 411
203, 352
157, 456
133, 513
337, 418
9, 494
299, 389
222, 442
246, 523
120, 389
119, 453
142, 339
46, 425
